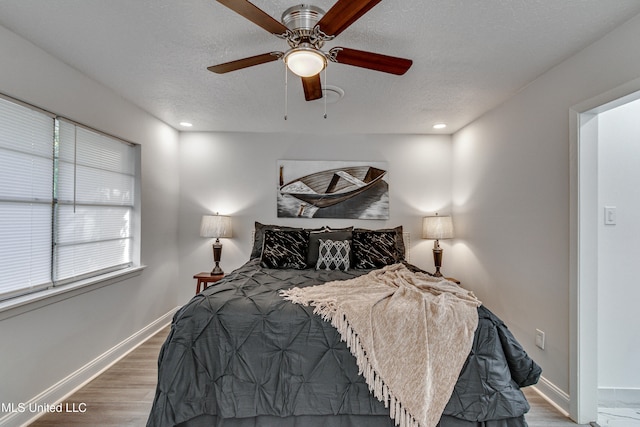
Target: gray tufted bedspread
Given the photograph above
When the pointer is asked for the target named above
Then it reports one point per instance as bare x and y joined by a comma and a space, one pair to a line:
239, 350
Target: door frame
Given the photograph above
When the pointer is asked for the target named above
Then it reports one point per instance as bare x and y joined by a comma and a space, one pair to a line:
583, 251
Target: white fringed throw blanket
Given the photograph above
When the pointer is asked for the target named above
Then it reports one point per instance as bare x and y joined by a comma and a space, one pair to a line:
410, 333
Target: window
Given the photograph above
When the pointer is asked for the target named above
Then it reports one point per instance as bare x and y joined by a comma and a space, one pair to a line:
67, 201
94, 190
26, 171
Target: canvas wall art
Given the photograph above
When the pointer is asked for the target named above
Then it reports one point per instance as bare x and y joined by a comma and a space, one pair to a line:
333, 189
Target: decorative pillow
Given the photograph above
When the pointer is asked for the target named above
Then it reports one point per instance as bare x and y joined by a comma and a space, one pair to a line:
334, 255
325, 234
258, 239
285, 249
400, 255
374, 249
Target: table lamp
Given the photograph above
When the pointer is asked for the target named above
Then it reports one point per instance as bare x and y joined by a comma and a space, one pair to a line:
437, 228
216, 226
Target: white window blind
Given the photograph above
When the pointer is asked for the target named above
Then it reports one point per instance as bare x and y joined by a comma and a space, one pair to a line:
94, 193
26, 188
67, 201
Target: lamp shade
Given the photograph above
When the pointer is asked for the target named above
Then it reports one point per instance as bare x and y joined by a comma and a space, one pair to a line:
437, 227
215, 226
304, 61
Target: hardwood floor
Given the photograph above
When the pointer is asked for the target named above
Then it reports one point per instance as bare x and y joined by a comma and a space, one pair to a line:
119, 397
543, 414
122, 396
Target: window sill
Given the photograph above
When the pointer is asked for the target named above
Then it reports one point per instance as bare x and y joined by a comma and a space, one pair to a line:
36, 300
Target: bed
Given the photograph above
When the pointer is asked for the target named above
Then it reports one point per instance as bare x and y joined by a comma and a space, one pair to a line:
240, 355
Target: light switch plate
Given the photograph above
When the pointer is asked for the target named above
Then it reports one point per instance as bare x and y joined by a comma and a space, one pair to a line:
540, 339
610, 215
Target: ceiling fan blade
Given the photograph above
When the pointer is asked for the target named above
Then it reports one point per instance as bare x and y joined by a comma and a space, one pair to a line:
245, 62
343, 14
255, 15
312, 87
370, 60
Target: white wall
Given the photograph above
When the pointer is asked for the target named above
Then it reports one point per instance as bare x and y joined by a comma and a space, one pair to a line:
619, 252
510, 187
511, 197
236, 174
43, 346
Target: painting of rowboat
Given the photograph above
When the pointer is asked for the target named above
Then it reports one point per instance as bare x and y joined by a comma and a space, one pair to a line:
333, 189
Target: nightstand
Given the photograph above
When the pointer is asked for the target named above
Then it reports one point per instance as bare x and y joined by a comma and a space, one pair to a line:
204, 279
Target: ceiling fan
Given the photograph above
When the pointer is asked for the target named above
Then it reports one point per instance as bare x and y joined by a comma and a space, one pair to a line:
306, 28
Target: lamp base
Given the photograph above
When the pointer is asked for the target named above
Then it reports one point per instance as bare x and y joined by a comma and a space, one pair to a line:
437, 259
217, 253
217, 270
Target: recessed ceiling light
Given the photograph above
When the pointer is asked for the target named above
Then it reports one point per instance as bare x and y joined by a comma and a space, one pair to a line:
186, 124
439, 126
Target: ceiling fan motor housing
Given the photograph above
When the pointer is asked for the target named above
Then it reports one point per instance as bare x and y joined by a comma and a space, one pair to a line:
301, 20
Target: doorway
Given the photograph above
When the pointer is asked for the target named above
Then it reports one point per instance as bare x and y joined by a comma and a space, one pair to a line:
587, 218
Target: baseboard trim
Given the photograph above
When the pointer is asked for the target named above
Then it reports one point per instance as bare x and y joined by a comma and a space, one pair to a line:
64, 388
610, 397
552, 394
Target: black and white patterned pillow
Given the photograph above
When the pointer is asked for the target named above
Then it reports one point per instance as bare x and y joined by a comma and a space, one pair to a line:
400, 255
374, 249
258, 242
285, 249
326, 234
334, 255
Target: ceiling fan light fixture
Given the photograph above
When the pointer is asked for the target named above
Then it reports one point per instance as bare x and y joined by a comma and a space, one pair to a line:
305, 61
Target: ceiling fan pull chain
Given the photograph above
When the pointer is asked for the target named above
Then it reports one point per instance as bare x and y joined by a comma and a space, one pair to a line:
286, 90
324, 94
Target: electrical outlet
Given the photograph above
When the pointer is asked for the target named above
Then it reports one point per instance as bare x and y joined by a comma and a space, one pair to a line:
540, 339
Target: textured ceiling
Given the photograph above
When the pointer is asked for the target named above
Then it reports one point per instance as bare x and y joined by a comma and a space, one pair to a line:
468, 56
